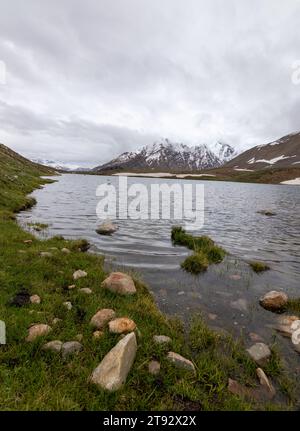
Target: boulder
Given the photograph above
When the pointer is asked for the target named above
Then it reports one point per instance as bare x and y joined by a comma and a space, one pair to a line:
113, 370
38, 330
102, 317
121, 325
162, 339
70, 348
180, 362
35, 299
106, 228
121, 283
54, 346
274, 301
154, 367
79, 274
260, 353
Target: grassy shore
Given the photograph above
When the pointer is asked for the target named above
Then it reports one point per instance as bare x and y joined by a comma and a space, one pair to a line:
32, 379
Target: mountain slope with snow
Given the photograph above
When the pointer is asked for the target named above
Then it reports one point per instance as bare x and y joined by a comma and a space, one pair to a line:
283, 153
165, 155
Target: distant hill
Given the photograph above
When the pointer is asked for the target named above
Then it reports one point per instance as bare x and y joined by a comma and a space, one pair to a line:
9, 159
283, 153
167, 156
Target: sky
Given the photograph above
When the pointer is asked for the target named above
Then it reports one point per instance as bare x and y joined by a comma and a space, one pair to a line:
83, 81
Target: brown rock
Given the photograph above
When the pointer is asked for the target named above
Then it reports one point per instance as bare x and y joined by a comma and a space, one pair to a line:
274, 301
121, 325
102, 317
38, 330
120, 283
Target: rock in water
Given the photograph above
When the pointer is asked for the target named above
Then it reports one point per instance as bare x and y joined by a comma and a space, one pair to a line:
284, 325
180, 362
70, 347
274, 301
38, 331
260, 353
112, 372
79, 274
121, 325
107, 228
121, 283
102, 317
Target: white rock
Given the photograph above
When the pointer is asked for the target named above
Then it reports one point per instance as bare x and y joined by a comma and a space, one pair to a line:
106, 228
65, 250
79, 274
180, 362
260, 353
162, 339
112, 372
68, 305
86, 290
35, 299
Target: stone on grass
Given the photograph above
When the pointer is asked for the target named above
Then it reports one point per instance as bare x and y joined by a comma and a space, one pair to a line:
274, 301
65, 250
102, 317
46, 254
68, 305
86, 290
180, 362
260, 353
98, 334
38, 330
56, 320
54, 346
72, 286
162, 339
27, 241
154, 367
35, 299
113, 370
70, 348
121, 325
79, 274
106, 228
121, 283
264, 381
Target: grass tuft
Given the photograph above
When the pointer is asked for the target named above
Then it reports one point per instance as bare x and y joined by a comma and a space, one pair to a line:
259, 266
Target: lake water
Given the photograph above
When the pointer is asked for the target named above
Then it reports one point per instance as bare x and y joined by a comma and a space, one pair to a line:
228, 293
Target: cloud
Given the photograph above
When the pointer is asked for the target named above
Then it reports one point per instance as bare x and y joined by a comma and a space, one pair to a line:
89, 80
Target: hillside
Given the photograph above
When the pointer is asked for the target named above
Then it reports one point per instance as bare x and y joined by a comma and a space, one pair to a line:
171, 157
283, 153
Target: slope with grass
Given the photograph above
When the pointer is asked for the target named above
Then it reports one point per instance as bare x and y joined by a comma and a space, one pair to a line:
32, 379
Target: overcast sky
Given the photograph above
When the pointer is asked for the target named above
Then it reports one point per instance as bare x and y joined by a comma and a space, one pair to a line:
87, 80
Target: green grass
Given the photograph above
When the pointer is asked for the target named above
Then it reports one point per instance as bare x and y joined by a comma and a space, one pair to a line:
205, 250
259, 266
32, 379
293, 305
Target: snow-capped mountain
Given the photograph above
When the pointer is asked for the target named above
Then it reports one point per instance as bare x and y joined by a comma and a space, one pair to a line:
224, 152
60, 166
282, 153
171, 156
